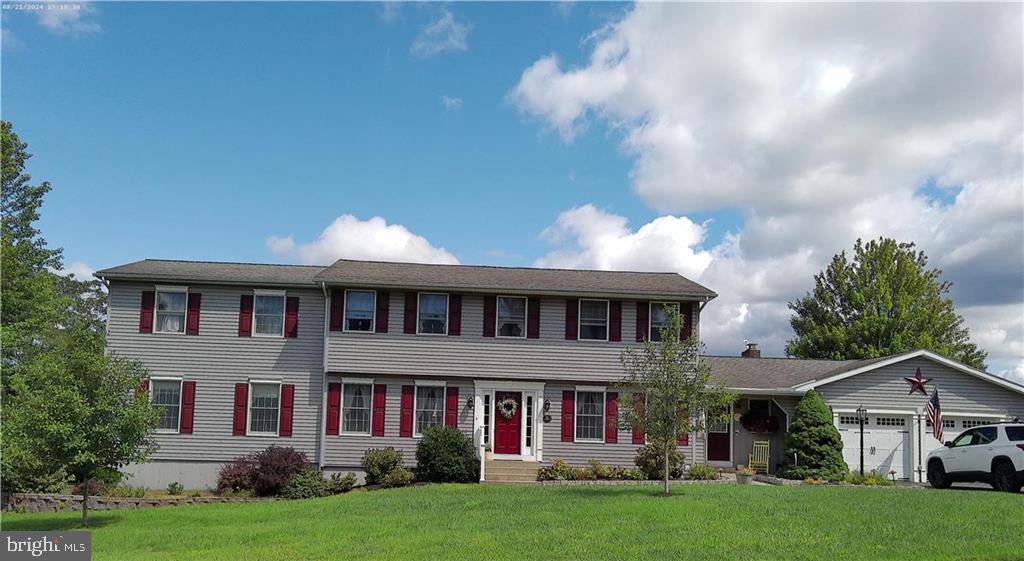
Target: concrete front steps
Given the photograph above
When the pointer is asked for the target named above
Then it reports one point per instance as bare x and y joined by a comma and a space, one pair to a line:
510, 471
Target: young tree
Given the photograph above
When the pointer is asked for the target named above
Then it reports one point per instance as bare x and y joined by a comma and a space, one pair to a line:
673, 388
813, 446
884, 301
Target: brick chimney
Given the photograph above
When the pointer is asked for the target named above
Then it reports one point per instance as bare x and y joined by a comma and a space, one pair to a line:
752, 351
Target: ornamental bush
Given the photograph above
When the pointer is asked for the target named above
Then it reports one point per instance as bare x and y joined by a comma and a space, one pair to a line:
703, 472
307, 484
339, 483
379, 462
446, 455
560, 470
650, 458
274, 467
813, 447
398, 477
235, 476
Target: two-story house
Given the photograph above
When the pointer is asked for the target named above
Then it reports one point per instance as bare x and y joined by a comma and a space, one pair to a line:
337, 360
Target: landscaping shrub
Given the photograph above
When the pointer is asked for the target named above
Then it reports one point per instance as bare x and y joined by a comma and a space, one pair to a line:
625, 473
871, 478
175, 488
339, 483
126, 491
599, 470
275, 467
307, 484
398, 477
236, 476
651, 461
559, 470
703, 472
446, 455
378, 463
814, 442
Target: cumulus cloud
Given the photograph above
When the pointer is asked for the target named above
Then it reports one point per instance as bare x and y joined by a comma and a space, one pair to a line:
445, 34
79, 270
68, 18
450, 102
350, 238
824, 123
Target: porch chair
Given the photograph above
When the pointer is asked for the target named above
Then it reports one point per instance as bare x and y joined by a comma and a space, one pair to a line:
760, 456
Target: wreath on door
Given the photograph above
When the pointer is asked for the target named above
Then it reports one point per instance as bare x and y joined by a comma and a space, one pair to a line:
508, 407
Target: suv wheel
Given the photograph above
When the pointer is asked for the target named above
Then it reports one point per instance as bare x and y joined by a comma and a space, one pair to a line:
1004, 478
937, 476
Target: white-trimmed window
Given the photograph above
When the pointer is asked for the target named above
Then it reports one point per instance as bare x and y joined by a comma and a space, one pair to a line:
170, 309
432, 314
360, 306
487, 418
658, 319
429, 407
511, 316
355, 408
264, 407
590, 416
268, 313
593, 320
165, 395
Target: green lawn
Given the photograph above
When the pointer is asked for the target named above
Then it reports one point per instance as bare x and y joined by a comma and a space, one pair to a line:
493, 523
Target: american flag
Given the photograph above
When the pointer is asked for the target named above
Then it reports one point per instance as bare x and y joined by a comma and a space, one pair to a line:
935, 415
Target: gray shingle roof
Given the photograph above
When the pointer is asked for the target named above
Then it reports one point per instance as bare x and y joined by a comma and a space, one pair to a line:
213, 272
512, 279
772, 373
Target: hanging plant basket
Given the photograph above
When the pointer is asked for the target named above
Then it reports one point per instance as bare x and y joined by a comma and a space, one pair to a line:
507, 407
759, 423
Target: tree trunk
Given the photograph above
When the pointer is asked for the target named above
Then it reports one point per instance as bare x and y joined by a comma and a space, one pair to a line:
85, 503
666, 470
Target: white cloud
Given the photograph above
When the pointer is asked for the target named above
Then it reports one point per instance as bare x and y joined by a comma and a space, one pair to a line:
821, 122
350, 238
79, 270
445, 34
68, 18
389, 11
451, 103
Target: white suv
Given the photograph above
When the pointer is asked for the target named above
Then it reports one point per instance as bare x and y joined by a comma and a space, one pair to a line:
992, 454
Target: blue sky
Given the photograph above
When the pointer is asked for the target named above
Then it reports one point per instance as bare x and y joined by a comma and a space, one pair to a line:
739, 145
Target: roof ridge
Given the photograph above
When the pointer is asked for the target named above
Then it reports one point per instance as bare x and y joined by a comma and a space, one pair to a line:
788, 358
230, 263
504, 267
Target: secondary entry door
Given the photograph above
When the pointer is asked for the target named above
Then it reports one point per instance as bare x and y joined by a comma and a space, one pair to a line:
507, 423
719, 445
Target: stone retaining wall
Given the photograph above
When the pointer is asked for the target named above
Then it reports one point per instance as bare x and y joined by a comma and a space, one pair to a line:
41, 502
726, 479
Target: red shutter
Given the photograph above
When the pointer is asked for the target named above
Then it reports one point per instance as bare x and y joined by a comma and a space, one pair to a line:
615, 320
143, 387
490, 315
643, 320
380, 397
533, 318
287, 406
337, 309
572, 311
410, 314
568, 415
241, 405
380, 324
686, 309
638, 433
684, 439
333, 408
611, 418
245, 317
192, 323
451, 407
455, 314
188, 406
291, 317
146, 313
405, 420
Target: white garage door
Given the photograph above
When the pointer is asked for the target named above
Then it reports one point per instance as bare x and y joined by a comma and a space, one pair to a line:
886, 444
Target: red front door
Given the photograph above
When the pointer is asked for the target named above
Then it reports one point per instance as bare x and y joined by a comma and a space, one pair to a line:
718, 442
506, 431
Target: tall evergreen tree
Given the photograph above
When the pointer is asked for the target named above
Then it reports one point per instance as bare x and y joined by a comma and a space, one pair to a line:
882, 301
813, 446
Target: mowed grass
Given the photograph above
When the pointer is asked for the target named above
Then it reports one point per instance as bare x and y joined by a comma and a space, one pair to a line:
592, 523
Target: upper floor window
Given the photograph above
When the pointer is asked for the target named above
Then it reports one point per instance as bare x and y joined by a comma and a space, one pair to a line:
356, 408
165, 396
170, 309
432, 315
659, 319
511, 316
359, 310
264, 408
429, 407
268, 314
590, 416
593, 320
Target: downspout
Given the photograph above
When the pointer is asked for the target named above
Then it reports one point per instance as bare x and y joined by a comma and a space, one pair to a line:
323, 383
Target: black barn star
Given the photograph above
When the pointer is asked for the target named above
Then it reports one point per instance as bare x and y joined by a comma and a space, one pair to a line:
917, 383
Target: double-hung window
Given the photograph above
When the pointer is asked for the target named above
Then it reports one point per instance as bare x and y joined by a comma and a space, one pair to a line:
593, 320
170, 309
264, 408
432, 314
511, 316
165, 396
359, 310
659, 319
429, 407
268, 314
590, 416
355, 408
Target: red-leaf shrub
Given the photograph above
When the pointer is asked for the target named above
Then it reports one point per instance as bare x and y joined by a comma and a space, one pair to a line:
236, 476
274, 468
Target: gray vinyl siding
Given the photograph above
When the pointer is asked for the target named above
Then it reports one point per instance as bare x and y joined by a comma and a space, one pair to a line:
217, 359
884, 388
345, 451
550, 357
743, 441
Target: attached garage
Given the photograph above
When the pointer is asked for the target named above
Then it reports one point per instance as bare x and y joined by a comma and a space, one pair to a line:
887, 443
